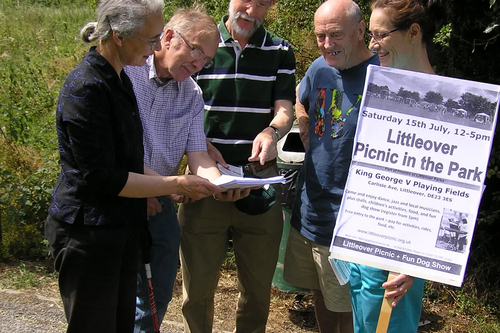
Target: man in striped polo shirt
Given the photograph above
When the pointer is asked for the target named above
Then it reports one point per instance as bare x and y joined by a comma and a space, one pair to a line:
249, 95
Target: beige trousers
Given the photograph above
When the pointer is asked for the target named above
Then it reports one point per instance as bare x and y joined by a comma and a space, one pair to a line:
206, 227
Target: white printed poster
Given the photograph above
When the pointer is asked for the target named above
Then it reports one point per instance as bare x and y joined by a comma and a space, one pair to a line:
419, 163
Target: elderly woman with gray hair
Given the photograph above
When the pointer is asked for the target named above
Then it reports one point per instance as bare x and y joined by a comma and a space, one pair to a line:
98, 208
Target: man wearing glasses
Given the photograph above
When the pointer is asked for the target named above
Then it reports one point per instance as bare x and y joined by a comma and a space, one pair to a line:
249, 94
171, 109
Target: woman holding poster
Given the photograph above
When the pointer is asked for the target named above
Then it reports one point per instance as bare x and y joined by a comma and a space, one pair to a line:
400, 31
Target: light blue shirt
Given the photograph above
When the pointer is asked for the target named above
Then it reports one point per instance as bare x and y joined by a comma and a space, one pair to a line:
171, 115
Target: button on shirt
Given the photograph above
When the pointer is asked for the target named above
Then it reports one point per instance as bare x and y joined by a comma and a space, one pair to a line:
172, 117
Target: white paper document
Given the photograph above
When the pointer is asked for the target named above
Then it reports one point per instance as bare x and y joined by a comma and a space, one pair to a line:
416, 179
232, 170
228, 182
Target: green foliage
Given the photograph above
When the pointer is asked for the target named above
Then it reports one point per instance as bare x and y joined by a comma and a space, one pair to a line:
171, 6
31, 79
25, 277
39, 45
484, 325
465, 304
293, 20
468, 48
24, 198
216, 8
45, 3
230, 261
24, 241
472, 49
22, 278
28, 197
442, 38
477, 299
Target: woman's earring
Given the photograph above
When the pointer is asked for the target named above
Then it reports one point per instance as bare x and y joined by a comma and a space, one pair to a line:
412, 42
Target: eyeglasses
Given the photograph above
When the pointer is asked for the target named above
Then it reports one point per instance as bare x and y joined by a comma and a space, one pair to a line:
152, 45
197, 54
378, 37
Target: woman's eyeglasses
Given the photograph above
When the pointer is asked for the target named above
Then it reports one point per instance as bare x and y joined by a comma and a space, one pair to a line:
152, 45
378, 37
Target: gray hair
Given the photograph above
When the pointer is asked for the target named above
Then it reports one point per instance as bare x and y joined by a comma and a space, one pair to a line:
350, 9
353, 12
186, 19
125, 17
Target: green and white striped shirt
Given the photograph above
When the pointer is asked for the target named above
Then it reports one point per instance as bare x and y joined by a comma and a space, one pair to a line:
241, 88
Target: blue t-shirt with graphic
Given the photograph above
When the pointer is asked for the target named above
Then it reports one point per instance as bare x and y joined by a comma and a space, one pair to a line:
332, 98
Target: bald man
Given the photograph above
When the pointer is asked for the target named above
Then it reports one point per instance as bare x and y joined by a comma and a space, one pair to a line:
327, 107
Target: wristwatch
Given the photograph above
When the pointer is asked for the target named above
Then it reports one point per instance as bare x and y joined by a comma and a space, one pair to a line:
277, 131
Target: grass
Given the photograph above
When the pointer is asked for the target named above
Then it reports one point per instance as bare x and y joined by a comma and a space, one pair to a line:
24, 277
39, 45
484, 325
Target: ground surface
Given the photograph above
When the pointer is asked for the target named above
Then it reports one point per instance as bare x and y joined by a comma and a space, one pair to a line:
39, 309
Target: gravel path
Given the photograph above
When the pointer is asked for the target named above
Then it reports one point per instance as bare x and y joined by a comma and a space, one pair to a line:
26, 312
23, 312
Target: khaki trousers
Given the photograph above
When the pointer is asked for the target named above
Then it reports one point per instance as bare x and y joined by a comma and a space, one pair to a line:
206, 227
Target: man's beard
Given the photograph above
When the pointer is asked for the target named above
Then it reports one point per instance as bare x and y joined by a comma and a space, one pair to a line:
234, 22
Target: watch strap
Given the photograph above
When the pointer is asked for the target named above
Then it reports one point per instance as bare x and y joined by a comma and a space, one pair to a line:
277, 131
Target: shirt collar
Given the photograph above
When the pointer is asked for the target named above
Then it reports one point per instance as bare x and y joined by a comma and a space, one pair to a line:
96, 60
153, 75
152, 69
371, 60
257, 39
101, 64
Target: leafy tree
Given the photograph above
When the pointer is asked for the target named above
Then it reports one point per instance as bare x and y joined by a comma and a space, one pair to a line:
408, 94
433, 97
472, 50
475, 103
450, 103
415, 95
466, 47
376, 88
216, 8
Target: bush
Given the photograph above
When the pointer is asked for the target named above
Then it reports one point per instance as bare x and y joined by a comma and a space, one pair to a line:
46, 31
47, 34
26, 183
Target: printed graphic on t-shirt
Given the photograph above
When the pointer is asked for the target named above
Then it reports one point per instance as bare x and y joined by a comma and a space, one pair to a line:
337, 118
319, 113
337, 122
